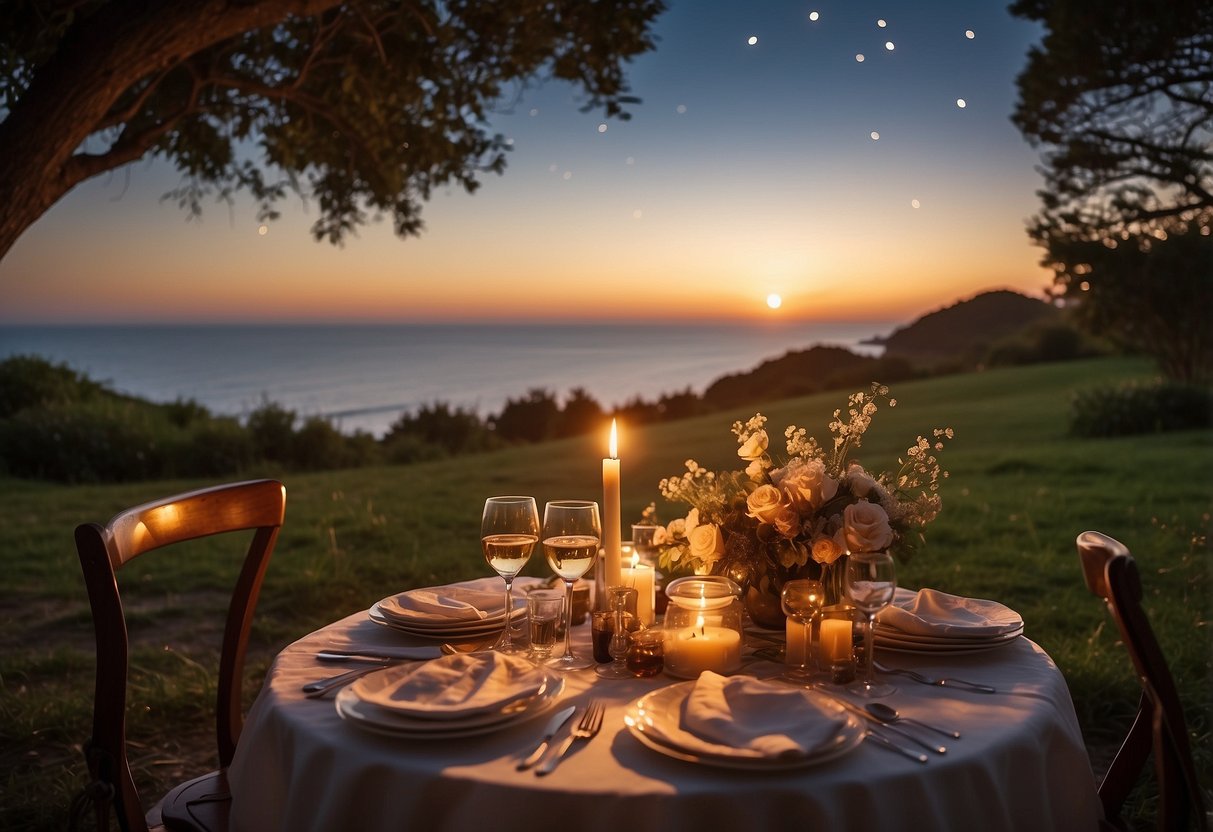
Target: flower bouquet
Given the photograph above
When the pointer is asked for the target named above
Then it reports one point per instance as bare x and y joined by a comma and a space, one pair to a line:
767, 524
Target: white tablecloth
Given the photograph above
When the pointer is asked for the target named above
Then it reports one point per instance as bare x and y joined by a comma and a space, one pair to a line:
1021, 764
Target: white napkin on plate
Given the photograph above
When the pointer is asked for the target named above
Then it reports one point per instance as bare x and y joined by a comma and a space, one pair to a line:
453, 686
929, 612
456, 602
766, 719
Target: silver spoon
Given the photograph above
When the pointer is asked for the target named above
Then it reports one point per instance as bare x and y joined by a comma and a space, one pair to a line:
881, 716
888, 714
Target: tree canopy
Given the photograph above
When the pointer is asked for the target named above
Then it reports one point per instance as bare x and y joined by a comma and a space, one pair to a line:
1119, 96
364, 107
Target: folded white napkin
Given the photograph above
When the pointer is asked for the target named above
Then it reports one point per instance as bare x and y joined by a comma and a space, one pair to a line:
470, 601
929, 612
453, 686
758, 718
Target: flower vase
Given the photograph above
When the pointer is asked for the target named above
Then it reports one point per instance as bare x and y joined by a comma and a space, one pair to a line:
834, 580
764, 605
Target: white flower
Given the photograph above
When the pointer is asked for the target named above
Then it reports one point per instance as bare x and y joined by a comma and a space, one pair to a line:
706, 543
764, 503
805, 483
867, 527
754, 446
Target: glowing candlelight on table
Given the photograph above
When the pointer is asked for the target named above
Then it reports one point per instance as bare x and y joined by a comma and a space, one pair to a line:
611, 536
642, 578
702, 647
796, 641
836, 640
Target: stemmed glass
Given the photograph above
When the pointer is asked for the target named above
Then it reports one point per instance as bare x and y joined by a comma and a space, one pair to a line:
802, 600
571, 532
509, 530
871, 581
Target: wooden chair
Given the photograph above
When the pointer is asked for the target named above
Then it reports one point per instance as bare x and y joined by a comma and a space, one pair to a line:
1111, 573
201, 803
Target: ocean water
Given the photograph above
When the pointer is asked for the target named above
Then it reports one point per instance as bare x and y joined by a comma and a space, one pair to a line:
364, 376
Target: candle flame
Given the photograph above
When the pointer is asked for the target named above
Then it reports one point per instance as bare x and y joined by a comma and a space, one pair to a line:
635, 559
614, 445
699, 624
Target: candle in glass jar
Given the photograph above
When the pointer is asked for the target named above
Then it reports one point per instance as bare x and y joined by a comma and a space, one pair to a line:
642, 578
696, 649
611, 535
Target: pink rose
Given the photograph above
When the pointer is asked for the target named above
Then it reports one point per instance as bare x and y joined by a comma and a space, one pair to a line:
866, 526
826, 550
787, 521
806, 484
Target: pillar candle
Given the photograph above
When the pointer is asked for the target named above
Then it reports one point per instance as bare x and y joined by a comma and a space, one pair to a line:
835, 640
642, 578
611, 536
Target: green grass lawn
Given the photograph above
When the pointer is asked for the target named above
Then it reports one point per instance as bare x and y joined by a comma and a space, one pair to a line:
1020, 490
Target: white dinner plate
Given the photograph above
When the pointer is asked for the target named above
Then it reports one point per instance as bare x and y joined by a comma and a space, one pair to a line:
379, 720
453, 630
664, 703
885, 631
885, 637
959, 650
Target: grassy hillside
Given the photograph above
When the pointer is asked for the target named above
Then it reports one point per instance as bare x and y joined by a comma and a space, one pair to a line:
1020, 490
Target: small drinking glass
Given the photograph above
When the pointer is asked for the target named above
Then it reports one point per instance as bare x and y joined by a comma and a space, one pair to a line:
871, 581
621, 601
642, 542
509, 530
646, 652
544, 608
571, 533
801, 600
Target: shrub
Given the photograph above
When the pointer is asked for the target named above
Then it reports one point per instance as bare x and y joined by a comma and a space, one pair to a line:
450, 431
272, 428
29, 381
318, 446
212, 448
1131, 409
98, 442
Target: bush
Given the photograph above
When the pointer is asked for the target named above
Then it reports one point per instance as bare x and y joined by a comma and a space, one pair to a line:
272, 428
213, 448
449, 431
1132, 409
29, 381
84, 443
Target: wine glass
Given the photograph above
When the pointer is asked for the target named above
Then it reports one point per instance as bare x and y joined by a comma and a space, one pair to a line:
509, 530
571, 532
871, 581
802, 600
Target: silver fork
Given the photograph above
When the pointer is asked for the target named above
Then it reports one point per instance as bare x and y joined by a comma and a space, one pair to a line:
586, 729
946, 681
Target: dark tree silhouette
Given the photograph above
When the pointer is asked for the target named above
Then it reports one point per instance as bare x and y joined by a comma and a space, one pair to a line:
364, 107
529, 419
581, 414
1120, 97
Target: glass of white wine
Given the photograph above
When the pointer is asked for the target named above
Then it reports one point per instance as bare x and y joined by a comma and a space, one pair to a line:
509, 530
571, 532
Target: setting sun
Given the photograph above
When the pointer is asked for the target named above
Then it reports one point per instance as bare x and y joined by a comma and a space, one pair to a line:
774, 301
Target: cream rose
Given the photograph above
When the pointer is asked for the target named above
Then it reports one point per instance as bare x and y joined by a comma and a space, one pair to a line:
866, 526
787, 521
806, 484
755, 446
706, 542
764, 503
826, 550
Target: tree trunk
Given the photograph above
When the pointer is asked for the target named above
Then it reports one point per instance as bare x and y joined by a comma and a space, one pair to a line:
99, 58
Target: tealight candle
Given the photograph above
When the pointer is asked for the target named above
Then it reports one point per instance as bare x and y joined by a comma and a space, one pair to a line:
696, 649
643, 579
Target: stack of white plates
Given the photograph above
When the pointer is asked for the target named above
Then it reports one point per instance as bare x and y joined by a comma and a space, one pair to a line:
930, 621
657, 721
473, 611
398, 701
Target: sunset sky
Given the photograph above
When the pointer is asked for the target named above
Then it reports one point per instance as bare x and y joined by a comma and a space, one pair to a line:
749, 169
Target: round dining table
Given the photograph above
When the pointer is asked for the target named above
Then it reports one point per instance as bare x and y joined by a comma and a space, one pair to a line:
1020, 763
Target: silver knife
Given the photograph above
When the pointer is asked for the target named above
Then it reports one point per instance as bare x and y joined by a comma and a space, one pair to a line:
549, 731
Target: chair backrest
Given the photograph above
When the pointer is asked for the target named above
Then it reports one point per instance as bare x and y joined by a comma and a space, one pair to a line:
1111, 573
257, 505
